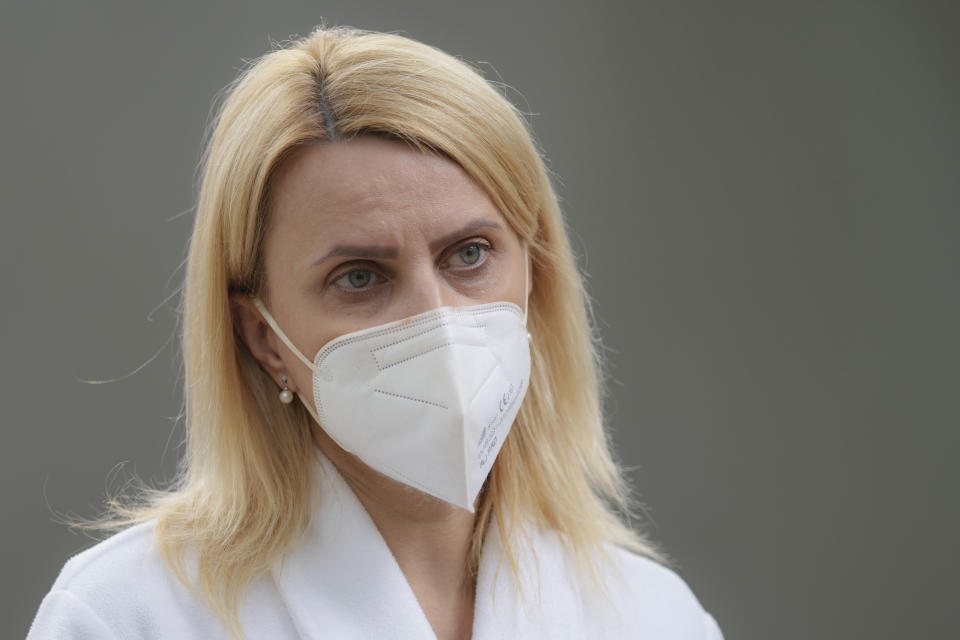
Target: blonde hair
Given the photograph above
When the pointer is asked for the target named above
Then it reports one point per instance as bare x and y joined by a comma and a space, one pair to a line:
243, 493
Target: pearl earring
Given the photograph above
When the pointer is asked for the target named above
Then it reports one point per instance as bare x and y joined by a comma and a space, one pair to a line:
286, 396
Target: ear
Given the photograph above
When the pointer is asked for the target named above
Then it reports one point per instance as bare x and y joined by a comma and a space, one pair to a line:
256, 334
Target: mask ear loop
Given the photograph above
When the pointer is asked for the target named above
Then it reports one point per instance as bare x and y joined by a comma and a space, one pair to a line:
276, 328
526, 286
280, 334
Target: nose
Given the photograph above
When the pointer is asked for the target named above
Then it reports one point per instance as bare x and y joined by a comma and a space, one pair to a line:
423, 289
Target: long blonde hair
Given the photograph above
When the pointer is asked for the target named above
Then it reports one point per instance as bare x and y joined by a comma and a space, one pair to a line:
243, 492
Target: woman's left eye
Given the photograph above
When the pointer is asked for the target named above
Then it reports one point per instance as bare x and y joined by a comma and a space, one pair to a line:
472, 253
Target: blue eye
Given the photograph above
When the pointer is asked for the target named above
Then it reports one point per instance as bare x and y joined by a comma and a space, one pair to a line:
356, 279
471, 253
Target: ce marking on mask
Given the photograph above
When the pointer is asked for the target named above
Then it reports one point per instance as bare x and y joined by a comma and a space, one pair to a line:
488, 437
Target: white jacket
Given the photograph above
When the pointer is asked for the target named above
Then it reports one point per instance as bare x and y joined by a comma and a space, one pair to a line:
341, 582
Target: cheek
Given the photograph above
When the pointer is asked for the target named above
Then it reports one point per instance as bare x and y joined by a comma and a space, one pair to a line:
517, 288
502, 282
300, 376
301, 380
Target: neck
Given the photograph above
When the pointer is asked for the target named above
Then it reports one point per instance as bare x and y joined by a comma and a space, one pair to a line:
429, 538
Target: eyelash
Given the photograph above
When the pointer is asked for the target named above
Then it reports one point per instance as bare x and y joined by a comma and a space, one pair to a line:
485, 246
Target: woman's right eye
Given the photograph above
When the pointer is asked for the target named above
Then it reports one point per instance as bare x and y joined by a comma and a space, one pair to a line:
356, 279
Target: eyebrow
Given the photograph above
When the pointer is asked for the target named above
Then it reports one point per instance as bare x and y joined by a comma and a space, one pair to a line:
391, 253
367, 253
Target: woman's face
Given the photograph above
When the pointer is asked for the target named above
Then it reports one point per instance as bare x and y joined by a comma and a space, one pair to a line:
370, 231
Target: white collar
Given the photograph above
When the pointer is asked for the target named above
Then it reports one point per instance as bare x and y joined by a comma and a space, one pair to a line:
340, 580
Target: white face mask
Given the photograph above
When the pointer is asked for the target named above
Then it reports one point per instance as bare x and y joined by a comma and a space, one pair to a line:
427, 400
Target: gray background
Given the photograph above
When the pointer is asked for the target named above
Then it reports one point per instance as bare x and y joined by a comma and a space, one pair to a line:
764, 195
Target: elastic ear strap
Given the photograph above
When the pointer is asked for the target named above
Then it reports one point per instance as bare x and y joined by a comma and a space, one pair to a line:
276, 329
526, 282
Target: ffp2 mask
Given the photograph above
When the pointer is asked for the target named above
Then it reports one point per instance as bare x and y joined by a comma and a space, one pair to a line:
427, 400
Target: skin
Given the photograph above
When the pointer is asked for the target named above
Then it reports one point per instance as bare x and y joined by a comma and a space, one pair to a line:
362, 233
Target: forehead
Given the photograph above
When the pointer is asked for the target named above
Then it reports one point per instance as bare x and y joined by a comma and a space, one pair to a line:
367, 187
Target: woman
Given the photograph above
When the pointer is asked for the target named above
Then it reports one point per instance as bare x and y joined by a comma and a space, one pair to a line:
394, 426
